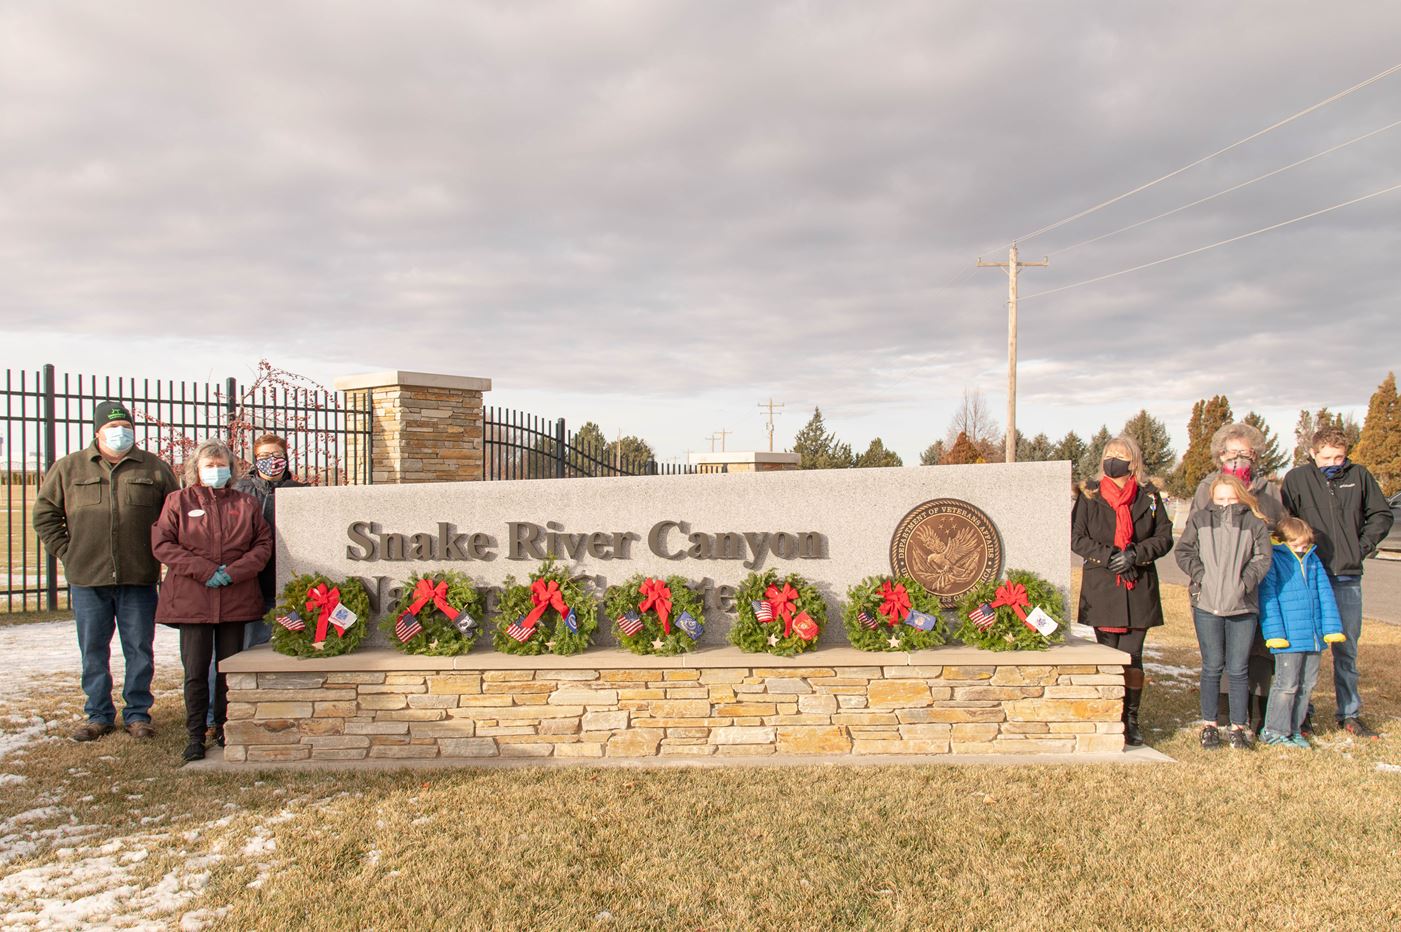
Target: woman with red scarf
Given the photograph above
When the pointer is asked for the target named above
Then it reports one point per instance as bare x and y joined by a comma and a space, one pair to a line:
1120, 528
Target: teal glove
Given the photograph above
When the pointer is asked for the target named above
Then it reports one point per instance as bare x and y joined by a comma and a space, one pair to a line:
221, 577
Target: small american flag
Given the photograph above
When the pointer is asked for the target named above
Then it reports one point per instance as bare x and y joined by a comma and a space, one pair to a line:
867, 621
983, 617
291, 621
763, 611
406, 627
519, 632
629, 624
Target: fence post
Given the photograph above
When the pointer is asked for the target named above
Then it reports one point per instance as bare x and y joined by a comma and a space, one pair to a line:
230, 406
50, 441
652, 467
559, 448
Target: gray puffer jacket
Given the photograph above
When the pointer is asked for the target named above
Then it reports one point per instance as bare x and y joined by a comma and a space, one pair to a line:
1226, 552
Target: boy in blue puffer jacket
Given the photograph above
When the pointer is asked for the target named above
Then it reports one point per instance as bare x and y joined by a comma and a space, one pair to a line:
1298, 617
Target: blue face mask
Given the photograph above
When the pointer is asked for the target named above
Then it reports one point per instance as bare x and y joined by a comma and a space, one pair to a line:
1333, 472
216, 477
118, 439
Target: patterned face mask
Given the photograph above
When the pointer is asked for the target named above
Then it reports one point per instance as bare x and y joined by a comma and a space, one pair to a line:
271, 466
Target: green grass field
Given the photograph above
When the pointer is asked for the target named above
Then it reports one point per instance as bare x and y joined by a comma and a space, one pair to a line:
1231, 840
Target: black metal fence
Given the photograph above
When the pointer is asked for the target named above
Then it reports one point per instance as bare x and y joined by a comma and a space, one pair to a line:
47, 415
523, 446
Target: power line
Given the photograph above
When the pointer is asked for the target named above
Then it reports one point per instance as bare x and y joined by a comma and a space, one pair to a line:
1224, 242
1240, 142
1235, 187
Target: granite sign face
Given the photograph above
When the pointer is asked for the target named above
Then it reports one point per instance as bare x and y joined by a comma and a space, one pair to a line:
950, 527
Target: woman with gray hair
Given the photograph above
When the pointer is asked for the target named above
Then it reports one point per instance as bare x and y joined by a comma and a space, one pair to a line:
214, 542
1235, 448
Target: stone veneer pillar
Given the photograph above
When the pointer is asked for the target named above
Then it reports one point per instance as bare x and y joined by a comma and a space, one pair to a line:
424, 427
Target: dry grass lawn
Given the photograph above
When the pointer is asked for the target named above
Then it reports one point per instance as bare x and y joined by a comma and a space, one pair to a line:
1267, 839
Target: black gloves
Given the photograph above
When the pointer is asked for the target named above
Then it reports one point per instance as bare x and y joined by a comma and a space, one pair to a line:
1123, 561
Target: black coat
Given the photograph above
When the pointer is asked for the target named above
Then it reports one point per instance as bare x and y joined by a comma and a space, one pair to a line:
1103, 602
265, 492
1349, 515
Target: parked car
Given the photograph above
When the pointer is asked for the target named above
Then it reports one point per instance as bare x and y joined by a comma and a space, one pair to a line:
1392, 541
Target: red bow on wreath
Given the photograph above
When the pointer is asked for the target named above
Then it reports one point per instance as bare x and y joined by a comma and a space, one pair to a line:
895, 602
782, 602
1013, 595
425, 592
656, 595
543, 596
319, 598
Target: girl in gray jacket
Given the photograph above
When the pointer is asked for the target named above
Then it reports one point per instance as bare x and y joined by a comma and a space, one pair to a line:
1225, 551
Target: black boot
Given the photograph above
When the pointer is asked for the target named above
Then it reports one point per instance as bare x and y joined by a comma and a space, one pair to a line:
1132, 736
194, 750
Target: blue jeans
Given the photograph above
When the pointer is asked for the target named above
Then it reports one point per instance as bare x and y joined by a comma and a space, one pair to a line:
1225, 644
1295, 674
1349, 598
130, 612
254, 633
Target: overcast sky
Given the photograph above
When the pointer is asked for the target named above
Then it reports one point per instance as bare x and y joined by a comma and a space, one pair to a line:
655, 215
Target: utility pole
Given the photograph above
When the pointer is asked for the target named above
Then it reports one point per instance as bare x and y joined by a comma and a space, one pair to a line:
1012, 265
770, 404
722, 434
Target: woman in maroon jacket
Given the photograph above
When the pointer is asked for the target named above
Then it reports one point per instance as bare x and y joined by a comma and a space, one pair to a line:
214, 541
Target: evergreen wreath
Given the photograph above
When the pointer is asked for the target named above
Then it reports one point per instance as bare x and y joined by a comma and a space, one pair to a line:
301, 604
652, 638
1009, 632
439, 637
867, 597
549, 634
752, 636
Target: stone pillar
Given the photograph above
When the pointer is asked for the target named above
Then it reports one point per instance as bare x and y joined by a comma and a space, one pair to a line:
744, 461
425, 427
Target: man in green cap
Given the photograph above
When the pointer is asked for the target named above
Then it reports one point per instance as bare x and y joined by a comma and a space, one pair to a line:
94, 512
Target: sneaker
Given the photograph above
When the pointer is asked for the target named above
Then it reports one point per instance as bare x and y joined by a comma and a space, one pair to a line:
1275, 739
141, 730
91, 731
1299, 741
1211, 738
1306, 729
1354, 727
194, 750
1240, 740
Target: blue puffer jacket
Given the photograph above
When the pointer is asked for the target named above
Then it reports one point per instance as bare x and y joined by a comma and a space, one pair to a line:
1296, 602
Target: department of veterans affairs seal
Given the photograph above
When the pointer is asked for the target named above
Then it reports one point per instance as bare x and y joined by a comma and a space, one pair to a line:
948, 546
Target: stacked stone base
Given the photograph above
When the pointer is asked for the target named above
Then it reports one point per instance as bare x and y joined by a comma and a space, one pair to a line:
715, 703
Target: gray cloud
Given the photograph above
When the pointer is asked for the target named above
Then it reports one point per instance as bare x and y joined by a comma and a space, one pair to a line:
751, 198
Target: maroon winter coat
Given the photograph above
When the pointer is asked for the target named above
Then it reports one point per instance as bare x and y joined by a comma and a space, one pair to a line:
199, 529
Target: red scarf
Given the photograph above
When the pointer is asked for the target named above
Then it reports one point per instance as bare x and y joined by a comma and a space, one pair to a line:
1119, 499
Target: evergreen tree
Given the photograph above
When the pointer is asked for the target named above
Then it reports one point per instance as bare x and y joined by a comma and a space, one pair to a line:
1208, 415
1153, 439
817, 449
1038, 449
1303, 435
933, 454
1270, 460
633, 453
1071, 448
877, 455
963, 452
1094, 453
1379, 447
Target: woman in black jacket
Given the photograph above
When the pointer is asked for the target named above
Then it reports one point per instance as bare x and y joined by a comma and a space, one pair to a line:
1120, 528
